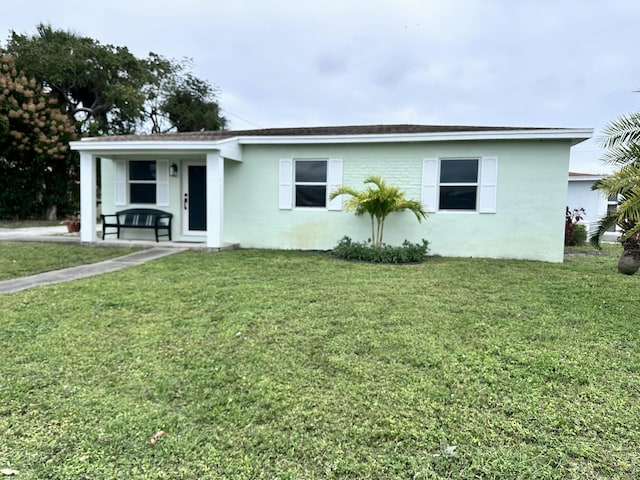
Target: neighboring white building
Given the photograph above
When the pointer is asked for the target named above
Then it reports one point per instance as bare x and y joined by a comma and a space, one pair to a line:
594, 202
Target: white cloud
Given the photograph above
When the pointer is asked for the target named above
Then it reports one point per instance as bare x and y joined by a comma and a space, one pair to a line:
286, 62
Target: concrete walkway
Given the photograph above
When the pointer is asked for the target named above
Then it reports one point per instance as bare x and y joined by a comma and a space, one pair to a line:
35, 234
84, 271
56, 234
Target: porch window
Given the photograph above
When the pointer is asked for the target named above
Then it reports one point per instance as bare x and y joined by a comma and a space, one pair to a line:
142, 181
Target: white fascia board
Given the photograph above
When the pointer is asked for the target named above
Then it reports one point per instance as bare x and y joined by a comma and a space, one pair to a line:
585, 178
228, 148
231, 147
141, 146
577, 135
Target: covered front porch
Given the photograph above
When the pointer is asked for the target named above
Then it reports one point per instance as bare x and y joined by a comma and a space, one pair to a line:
183, 178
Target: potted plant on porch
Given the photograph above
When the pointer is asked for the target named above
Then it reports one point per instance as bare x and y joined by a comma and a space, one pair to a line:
73, 223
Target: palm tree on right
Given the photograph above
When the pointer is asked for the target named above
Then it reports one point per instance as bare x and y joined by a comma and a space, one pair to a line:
622, 141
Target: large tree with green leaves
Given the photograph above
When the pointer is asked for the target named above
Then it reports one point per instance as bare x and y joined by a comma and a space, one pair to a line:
100, 86
191, 107
622, 141
35, 172
108, 90
103, 90
178, 100
378, 200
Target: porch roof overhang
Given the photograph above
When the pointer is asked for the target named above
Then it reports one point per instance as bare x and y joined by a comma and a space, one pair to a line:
228, 148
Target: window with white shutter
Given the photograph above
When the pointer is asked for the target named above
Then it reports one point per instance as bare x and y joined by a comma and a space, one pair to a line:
142, 182
120, 183
307, 183
460, 184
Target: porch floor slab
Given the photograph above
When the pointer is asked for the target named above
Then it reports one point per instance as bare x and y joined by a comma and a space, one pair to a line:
59, 235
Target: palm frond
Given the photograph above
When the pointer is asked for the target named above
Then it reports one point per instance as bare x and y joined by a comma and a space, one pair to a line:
622, 154
604, 225
623, 131
414, 207
377, 181
618, 183
343, 190
625, 183
622, 141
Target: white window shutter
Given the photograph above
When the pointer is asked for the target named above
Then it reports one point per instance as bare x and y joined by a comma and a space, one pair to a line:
334, 180
285, 192
429, 197
488, 185
120, 190
162, 179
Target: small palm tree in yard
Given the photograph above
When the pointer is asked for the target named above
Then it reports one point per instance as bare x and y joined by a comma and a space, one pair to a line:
622, 139
378, 200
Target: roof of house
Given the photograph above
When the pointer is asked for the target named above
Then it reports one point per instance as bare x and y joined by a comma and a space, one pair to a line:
345, 130
229, 142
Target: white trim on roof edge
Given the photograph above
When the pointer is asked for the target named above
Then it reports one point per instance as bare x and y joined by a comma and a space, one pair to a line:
231, 145
585, 177
228, 148
573, 134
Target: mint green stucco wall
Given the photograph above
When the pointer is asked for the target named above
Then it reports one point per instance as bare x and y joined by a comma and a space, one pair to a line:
528, 223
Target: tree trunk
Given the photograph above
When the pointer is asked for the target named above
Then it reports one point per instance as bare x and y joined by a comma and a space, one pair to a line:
52, 212
629, 263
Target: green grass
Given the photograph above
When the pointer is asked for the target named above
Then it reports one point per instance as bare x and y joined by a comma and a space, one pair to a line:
28, 223
611, 249
18, 259
261, 364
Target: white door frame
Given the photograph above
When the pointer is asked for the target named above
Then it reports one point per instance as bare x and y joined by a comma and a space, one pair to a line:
184, 206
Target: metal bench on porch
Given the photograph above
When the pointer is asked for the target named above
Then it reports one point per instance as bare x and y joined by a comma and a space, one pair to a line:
147, 218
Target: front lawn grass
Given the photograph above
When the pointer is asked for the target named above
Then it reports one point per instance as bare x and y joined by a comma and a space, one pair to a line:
28, 223
19, 259
261, 364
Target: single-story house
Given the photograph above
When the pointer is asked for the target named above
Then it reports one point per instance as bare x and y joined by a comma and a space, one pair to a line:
497, 192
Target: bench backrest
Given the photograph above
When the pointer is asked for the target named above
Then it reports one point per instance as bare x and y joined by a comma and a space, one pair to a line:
140, 217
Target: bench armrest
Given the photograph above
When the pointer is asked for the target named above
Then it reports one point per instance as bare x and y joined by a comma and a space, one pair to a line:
159, 220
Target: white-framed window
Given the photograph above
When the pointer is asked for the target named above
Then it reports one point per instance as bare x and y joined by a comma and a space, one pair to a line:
310, 183
307, 183
460, 184
142, 182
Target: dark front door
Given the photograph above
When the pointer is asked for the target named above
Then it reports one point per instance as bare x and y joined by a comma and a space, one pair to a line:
195, 200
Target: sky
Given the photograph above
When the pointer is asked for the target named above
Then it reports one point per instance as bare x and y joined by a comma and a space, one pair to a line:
287, 63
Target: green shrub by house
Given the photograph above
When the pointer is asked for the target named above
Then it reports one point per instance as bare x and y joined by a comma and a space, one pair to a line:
406, 253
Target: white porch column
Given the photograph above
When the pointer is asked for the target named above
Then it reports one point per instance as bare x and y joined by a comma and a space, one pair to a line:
215, 199
87, 197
